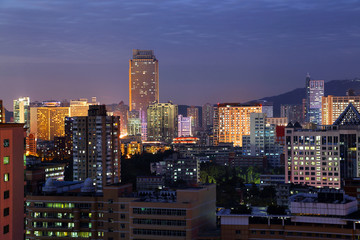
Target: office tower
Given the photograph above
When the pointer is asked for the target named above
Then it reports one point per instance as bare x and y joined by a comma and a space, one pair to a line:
333, 106
121, 110
207, 116
162, 122
22, 111
314, 93
184, 126
232, 121
96, 147
326, 155
134, 123
48, 121
79, 108
294, 113
143, 80
193, 112
2, 112
12, 181
262, 140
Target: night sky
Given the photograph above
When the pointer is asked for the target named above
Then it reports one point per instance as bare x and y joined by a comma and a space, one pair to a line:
208, 51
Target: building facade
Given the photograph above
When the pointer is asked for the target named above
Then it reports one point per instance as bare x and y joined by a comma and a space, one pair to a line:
193, 112
162, 122
2, 112
184, 126
21, 111
333, 106
232, 121
12, 181
96, 147
294, 113
80, 108
207, 116
314, 93
143, 80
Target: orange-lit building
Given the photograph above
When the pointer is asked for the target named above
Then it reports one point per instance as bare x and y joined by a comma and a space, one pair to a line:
186, 140
48, 121
143, 80
232, 121
12, 181
333, 106
31, 145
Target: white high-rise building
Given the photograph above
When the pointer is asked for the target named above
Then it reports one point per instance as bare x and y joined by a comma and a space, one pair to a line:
22, 111
184, 126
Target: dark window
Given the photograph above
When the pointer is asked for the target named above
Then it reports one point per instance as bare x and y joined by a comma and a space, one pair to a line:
122, 216
6, 229
237, 231
122, 206
6, 212
6, 144
122, 235
6, 194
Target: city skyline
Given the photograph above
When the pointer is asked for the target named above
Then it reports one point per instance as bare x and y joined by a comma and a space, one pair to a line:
82, 49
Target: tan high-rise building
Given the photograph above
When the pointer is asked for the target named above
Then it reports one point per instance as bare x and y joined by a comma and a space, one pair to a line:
79, 108
48, 121
232, 121
333, 106
193, 112
143, 80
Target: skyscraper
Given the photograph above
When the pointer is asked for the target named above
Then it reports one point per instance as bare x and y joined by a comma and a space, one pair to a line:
79, 108
143, 80
194, 113
314, 93
162, 122
207, 116
96, 147
184, 126
333, 106
12, 181
22, 111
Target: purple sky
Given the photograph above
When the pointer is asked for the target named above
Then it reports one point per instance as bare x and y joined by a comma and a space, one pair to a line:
208, 50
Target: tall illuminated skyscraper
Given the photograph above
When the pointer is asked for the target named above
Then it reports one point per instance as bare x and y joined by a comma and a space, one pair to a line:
22, 111
143, 80
162, 122
314, 93
193, 112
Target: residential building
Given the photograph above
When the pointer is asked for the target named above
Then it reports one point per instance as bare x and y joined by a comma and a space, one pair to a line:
162, 122
133, 123
96, 147
232, 121
12, 167
121, 110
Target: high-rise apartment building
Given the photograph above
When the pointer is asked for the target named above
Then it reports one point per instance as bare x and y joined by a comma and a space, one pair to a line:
162, 122
133, 123
314, 93
22, 111
232, 121
48, 121
193, 112
12, 181
207, 116
121, 110
79, 108
184, 126
324, 156
2, 112
96, 147
333, 106
143, 80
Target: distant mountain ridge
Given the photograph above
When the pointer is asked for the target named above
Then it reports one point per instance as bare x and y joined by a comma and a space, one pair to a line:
334, 87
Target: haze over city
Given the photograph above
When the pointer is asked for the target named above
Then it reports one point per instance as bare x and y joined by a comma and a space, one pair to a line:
229, 50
